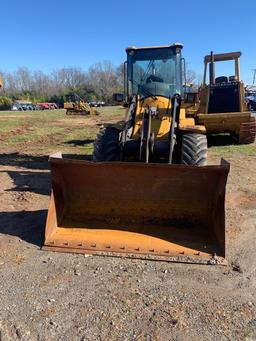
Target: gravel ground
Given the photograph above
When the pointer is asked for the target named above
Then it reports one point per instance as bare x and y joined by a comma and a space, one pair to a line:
54, 296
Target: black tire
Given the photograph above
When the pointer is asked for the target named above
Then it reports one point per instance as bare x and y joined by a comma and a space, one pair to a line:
106, 146
194, 149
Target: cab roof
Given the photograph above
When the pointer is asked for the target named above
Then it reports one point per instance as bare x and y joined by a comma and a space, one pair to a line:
223, 56
132, 48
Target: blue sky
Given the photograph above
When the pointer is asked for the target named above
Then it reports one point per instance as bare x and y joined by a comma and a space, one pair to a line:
51, 34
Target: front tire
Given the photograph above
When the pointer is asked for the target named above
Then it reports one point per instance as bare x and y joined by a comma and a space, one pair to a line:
106, 146
194, 149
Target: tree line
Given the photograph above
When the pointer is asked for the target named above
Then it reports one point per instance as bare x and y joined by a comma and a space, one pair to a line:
98, 83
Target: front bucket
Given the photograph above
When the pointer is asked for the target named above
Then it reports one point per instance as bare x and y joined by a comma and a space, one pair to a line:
159, 211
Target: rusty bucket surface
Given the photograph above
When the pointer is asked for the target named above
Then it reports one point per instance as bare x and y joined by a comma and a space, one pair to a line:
160, 211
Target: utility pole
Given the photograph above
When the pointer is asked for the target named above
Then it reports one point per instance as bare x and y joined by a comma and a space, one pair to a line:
254, 76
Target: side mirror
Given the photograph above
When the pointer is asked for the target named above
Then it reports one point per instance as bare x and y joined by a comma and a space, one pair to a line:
118, 97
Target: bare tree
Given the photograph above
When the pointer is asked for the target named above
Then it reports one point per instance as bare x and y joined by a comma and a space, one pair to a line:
120, 75
41, 84
71, 78
24, 79
104, 78
191, 77
101, 81
10, 87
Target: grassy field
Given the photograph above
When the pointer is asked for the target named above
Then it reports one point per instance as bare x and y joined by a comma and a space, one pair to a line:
54, 296
44, 132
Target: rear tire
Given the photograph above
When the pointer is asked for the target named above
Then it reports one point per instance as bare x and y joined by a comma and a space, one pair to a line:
194, 149
106, 146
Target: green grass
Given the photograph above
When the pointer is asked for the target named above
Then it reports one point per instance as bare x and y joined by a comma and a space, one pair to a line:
114, 110
48, 131
10, 124
235, 150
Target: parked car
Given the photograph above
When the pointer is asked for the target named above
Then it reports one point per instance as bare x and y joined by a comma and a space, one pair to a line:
96, 104
23, 107
15, 107
30, 106
43, 106
251, 103
53, 106
19, 107
92, 103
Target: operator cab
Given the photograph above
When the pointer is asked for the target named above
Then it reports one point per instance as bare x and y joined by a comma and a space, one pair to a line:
153, 71
224, 92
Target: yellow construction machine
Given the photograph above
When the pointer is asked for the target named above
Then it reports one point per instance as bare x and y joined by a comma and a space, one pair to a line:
77, 106
148, 192
222, 106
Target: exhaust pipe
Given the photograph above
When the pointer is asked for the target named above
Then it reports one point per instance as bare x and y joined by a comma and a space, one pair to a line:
212, 69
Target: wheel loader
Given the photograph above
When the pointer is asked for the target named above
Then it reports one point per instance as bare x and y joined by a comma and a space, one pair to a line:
222, 106
77, 106
148, 192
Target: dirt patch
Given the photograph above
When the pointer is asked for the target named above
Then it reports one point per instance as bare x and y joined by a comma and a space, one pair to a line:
77, 121
242, 199
19, 131
54, 296
62, 296
14, 116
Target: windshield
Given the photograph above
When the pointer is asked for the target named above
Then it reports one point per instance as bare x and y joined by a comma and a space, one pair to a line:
154, 72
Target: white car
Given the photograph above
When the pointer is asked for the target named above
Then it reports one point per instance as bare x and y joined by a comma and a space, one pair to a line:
15, 108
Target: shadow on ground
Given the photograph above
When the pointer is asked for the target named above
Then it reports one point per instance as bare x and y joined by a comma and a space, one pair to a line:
27, 225
40, 162
220, 140
30, 176
85, 157
79, 142
24, 161
28, 181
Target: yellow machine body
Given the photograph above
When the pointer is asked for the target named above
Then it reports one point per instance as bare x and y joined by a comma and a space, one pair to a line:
151, 211
162, 122
222, 106
77, 108
138, 202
